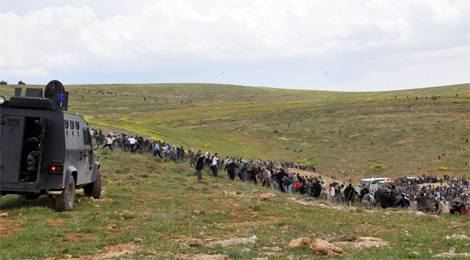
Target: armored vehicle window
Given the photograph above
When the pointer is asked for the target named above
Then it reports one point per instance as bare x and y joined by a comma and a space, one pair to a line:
66, 124
77, 125
72, 124
86, 135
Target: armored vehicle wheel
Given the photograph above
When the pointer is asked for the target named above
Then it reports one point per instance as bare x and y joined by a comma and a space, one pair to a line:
31, 102
94, 189
64, 201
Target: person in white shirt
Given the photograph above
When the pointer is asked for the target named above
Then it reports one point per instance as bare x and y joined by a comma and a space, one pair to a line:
132, 144
109, 142
214, 164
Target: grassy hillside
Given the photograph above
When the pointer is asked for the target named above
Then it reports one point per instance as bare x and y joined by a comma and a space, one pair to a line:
150, 209
342, 133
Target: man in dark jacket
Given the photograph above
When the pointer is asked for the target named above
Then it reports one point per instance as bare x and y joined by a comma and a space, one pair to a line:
364, 191
349, 194
230, 167
199, 166
316, 189
422, 202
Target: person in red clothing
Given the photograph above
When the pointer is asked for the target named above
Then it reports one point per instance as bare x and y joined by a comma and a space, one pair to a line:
464, 211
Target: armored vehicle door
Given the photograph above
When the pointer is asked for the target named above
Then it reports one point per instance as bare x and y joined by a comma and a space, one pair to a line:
11, 134
89, 160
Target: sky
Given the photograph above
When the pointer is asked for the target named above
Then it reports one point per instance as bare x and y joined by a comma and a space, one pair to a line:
337, 45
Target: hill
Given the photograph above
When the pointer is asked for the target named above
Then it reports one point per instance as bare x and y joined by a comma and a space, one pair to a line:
343, 134
151, 209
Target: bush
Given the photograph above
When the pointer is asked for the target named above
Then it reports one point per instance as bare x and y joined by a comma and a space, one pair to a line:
303, 161
378, 168
443, 169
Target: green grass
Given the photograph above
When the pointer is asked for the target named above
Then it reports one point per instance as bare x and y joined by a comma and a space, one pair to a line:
156, 202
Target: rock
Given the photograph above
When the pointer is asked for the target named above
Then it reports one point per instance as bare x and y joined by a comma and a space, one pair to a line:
68, 256
263, 197
360, 239
194, 242
457, 236
203, 257
271, 194
320, 246
4, 214
271, 249
362, 244
300, 242
347, 238
452, 255
414, 254
233, 193
420, 213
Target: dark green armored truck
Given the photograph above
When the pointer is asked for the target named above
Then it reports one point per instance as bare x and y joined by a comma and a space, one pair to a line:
45, 150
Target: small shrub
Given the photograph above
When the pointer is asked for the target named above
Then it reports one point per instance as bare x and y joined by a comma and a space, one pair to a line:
378, 168
303, 161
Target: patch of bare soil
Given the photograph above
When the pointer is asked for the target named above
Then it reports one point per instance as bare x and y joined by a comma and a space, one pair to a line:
77, 237
57, 222
9, 226
113, 251
244, 213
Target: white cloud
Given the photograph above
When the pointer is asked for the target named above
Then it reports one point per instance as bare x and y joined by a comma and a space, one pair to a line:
340, 36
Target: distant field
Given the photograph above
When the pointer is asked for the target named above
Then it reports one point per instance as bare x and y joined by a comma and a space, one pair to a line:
342, 133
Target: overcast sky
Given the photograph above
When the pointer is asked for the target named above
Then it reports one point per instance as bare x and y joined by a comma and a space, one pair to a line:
354, 45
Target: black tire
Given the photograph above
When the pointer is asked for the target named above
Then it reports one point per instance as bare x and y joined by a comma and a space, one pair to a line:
64, 201
94, 189
31, 102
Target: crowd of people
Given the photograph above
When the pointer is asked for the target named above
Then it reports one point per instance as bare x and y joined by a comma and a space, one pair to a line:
451, 196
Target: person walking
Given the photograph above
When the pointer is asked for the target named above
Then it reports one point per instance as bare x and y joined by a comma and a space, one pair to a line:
199, 166
109, 142
214, 165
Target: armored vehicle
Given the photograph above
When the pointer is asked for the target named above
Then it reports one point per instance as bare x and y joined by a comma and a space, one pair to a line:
45, 150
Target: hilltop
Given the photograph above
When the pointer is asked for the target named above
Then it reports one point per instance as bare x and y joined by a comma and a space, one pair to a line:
343, 134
